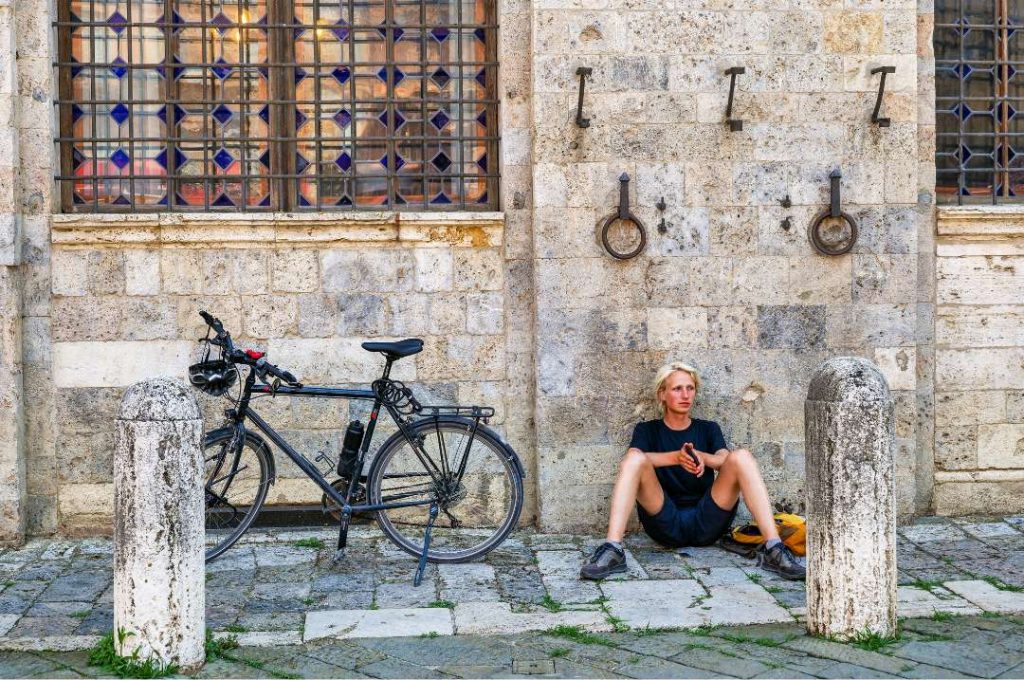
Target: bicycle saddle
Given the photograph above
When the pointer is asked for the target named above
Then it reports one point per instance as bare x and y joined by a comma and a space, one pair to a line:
395, 350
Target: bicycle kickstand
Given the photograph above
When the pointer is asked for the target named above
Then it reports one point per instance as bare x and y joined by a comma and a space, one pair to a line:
418, 579
342, 536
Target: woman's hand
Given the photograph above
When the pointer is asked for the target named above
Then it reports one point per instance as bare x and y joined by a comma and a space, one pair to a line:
687, 456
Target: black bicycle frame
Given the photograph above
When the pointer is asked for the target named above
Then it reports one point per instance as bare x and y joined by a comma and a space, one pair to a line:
244, 412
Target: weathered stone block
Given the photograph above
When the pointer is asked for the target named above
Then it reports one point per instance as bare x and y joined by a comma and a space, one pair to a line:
69, 271
360, 314
267, 316
797, 326
898, 365
732, 327
179, 271
477, 269
853, 32
142, 272
296, 271
1001, 446
677, 329
484, 313
974, 407
956, 447
384, 270
884, 278
434, 269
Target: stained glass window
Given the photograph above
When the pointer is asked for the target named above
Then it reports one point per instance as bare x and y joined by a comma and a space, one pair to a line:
277, 104
979, 100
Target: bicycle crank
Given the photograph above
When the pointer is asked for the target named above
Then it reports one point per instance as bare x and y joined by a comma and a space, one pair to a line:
330, 507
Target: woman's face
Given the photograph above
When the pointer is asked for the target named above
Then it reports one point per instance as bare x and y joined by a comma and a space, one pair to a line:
678, 393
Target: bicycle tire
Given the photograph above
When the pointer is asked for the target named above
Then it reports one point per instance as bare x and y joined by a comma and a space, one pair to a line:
221, 488
495, 462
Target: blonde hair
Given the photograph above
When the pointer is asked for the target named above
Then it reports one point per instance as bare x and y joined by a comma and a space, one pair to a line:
662, 375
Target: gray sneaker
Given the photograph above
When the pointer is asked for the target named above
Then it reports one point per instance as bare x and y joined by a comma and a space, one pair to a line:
605, 561
780, 559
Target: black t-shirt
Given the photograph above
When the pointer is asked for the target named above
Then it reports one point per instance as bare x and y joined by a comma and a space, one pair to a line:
653, 436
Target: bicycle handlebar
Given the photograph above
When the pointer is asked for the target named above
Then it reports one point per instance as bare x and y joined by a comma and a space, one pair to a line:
237, 356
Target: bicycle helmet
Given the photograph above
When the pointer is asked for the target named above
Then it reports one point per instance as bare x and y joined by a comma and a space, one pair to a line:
213, 377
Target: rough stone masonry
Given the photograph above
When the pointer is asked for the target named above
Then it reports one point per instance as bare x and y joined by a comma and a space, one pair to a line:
521, 308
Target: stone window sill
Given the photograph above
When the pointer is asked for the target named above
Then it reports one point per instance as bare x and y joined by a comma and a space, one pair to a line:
479, 229
987, 222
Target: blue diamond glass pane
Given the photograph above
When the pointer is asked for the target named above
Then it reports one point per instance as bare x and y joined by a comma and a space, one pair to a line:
440, 34
264, 114
300, 74
344, 200
222, 70
399, 32
383, 160
1010, 112
341, 74
399, 76
963, 153
265, 203
961, 111
482, 162
483, 198
176, 22
299, 28
482, 78
179, 113
962, 26
342, 118
163, 200
223, 158
340, 29
344, 161
400, 200
221, 23
300, 118
480, 35
962, 70
383, 118
223, 201
76, 113
79, 200
118, 67
222, 114
121, 200
75, 19
439, 119
399, 162
177, 72
383, 74
440, 199
75, 70
77, 158
482, 118
117, 22
300, 163
120, 158
179, 158
265, 159
441, 77
304, 202
441, 161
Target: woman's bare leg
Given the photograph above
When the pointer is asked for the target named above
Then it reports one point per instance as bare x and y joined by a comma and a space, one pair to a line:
635, 483
740, 474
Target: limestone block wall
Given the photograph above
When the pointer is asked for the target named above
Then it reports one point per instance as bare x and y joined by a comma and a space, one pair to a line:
979, 380
732, 286
126, 296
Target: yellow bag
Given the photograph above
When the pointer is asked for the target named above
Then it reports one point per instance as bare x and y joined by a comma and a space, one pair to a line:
792, 531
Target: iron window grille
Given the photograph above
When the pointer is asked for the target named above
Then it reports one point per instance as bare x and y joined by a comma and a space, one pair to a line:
979, 47
207, 105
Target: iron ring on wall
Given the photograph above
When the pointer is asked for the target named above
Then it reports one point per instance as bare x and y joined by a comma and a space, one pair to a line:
630, 217
814, 234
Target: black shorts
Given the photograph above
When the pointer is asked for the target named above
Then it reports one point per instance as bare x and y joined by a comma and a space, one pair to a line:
700, 524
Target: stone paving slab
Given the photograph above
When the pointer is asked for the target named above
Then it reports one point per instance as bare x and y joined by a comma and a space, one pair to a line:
482, 618
356, 623
987, 596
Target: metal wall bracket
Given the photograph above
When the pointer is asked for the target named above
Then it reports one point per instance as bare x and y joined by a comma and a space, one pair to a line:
838, 240
582, 72
735, 124
881, 122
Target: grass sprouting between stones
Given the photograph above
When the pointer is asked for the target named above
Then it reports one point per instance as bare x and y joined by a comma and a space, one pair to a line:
220, 648
873, 642
551, 604
578, 635
81, 614
104, 655
941, 616
924, 584
559, 652
442, 604
235, 628
314, 543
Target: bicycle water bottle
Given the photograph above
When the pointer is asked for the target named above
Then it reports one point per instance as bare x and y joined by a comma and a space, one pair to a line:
350, 449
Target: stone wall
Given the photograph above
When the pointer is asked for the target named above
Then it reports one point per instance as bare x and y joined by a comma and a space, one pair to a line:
979, 381
126, 297
731, 286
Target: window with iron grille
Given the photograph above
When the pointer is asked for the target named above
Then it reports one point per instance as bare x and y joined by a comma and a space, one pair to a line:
979, 101
206, 105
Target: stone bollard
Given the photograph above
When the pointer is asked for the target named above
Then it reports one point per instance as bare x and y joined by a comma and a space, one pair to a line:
159, 525
851, 501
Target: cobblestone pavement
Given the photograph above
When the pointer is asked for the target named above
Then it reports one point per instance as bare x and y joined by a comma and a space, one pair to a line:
281, 589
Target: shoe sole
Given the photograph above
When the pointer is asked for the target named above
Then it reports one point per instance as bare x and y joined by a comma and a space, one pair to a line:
615, 570
784, 575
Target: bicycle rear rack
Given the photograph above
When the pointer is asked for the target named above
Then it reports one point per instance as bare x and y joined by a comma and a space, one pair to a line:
470, 411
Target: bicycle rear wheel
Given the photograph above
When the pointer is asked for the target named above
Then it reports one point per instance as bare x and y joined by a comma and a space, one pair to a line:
235, 487
478, 507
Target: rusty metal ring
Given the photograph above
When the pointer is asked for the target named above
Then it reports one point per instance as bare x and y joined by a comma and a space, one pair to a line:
815, 236
639, 226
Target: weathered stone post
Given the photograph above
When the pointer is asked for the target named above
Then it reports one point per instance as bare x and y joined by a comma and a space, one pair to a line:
851, 501
159, 524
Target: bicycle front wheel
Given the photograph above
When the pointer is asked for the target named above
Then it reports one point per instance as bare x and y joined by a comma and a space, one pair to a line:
235, 487
473, 479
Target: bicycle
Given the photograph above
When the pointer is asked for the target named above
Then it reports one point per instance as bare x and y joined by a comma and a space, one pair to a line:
444, 464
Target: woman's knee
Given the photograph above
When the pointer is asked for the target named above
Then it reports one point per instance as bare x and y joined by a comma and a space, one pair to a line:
634, 461
740, 458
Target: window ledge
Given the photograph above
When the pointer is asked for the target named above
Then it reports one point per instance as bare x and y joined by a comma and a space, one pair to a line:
989, 222
479, 229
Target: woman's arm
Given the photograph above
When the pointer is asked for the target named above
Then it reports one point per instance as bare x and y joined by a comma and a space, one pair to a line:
660, 459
